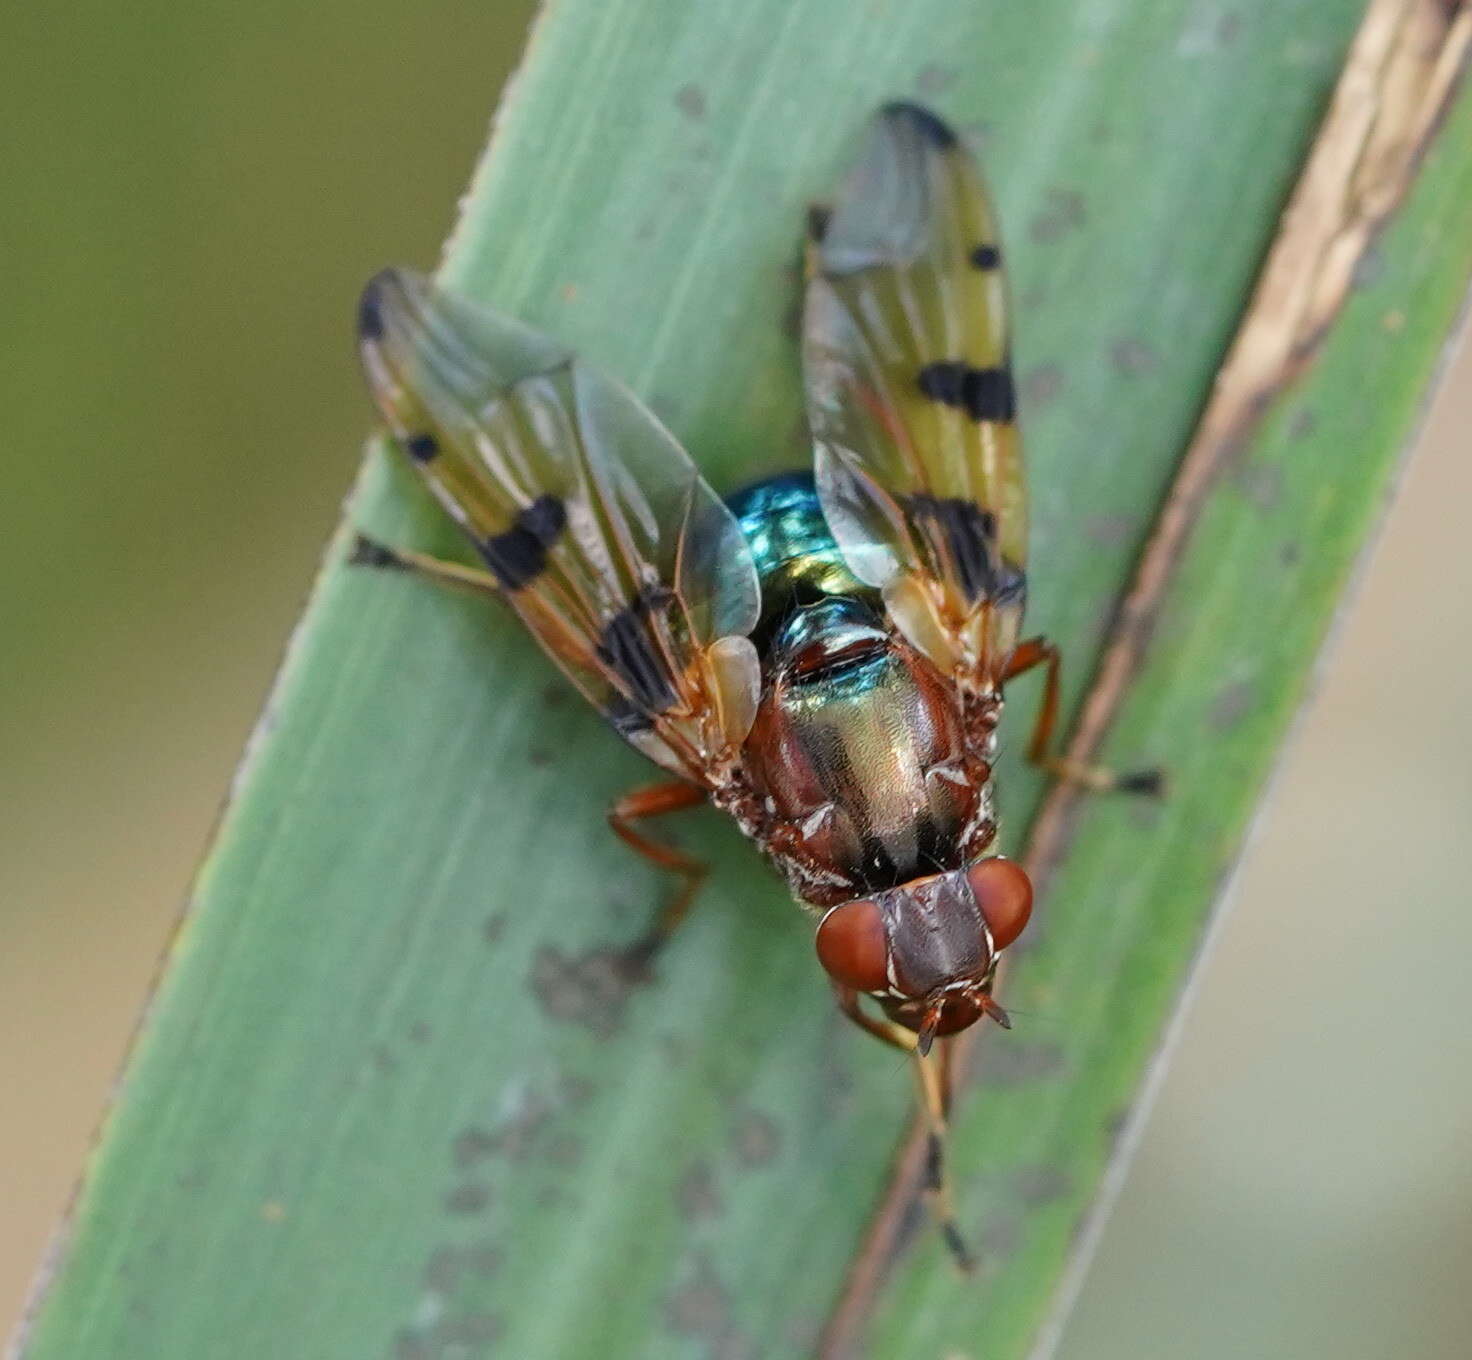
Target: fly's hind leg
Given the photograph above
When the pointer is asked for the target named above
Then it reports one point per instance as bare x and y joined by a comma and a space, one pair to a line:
1039, 651
933, 1079
655, 801
369, 552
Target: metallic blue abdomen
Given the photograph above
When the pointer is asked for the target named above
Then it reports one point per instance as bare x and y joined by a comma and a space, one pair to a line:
797, 560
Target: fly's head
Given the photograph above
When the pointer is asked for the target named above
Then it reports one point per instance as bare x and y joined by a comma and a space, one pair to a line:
927, 950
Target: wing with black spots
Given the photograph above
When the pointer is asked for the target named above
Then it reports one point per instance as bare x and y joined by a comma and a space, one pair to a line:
911, 397
604, 538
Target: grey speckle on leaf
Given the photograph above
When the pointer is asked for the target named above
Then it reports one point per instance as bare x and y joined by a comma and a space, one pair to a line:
690, 100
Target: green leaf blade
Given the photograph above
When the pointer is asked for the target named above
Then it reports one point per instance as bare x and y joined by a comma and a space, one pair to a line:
391, 1098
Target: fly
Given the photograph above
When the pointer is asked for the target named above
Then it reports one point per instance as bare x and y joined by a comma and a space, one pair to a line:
823, 655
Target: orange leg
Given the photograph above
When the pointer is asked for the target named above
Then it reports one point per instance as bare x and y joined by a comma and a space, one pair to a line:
886, 1031
933, 1076
933, 1080
655, 801
369, 552
1040, 652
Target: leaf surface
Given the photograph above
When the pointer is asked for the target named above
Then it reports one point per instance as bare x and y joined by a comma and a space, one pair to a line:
391, 1097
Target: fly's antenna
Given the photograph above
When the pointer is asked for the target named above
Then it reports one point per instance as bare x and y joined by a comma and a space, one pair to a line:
996, 1012
926, 1035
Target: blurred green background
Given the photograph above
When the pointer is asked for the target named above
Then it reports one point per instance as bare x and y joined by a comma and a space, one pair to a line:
192, 196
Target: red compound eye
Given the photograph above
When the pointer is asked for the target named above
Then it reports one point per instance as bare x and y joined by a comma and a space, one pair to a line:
852, 946
1004, 894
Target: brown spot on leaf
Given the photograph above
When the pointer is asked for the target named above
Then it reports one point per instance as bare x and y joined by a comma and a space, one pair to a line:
474, 1144
1302, 424
450, 1336
564, 1150
1017, 1064
696, 1193
578, 1090
690, 100
494, 928
1114, 1128
1261, 483
1132, 357
589, 989
450, 1265
413, 1346
1206, 33
420, 1033
1037, 1185
1233, 702
516, 1137
998, 1238
1062, 212
442, 1271
1034, 299
932, 78
482, 1259
732, 1346
701, 1307
467, 1329
755, 1138
836, 1083
467, 1199
1041, 385
1110, 530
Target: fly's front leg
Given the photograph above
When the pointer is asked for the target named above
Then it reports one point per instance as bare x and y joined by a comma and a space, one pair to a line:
933, 1079
819, 215
655, 801
933, 1076
1040, 652
886, 1031
369, 552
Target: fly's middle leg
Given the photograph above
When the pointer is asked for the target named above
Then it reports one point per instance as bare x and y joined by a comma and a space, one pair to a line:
655, 801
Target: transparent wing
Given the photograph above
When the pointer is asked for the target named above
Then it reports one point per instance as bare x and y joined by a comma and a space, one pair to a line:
910, 394
609, 545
